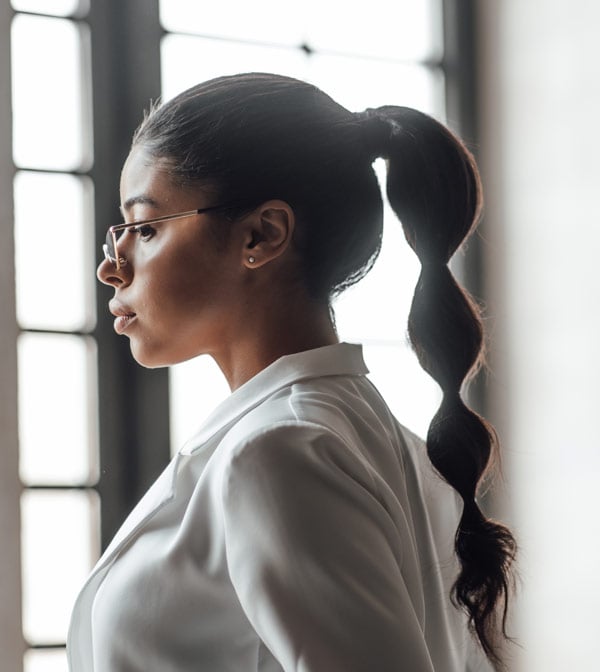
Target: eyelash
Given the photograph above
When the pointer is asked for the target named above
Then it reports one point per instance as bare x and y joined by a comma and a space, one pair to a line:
146, 231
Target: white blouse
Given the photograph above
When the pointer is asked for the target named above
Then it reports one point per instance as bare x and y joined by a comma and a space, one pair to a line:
302, 529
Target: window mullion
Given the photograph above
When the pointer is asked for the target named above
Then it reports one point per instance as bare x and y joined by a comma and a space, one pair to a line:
461, 60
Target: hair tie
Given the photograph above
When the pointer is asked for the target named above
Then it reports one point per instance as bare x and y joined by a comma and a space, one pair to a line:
434, 264
376, 131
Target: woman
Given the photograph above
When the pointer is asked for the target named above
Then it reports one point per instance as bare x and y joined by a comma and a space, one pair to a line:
302, 528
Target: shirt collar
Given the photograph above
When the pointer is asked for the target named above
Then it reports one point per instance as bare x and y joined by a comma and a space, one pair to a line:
331, 360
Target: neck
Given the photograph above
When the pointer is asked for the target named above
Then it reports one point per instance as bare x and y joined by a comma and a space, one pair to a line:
269, 332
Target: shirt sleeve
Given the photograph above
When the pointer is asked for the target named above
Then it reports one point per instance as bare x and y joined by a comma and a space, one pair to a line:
315, 558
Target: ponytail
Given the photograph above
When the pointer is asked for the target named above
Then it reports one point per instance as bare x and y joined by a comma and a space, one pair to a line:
434, 188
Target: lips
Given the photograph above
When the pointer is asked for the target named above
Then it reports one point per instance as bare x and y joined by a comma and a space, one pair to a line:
123, 316
122, 322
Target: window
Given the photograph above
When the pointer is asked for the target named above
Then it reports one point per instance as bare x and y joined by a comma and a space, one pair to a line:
55, 310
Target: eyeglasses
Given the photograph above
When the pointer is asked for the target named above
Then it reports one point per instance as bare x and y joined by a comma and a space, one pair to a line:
110, 247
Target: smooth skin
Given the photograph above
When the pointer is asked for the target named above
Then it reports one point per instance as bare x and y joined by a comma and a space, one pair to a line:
191, 295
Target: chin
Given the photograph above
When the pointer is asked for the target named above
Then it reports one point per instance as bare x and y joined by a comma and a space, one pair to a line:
151, 364
156, 358
149, 359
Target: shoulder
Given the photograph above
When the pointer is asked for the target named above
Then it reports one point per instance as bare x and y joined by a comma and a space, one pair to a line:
309, 412
284, 443
335, 432
325, 418
299, 484
292, 467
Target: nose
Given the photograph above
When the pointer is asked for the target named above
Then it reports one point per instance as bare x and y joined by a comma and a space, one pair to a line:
108, 274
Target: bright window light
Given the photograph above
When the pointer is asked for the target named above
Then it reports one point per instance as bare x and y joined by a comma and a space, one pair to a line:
358, 83
411, 394
407, 30
53, 238
50, 660
214, 58
196, 388
57, 410
261, 21
53, 7
360, 316
50, 102
63, 529
401, 30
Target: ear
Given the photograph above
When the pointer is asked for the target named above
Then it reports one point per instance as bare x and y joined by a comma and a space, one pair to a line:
268, 232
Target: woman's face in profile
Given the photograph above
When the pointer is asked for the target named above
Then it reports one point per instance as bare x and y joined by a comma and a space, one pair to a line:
178, 294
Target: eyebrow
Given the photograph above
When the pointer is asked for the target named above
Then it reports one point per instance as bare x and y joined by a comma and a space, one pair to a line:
142, 199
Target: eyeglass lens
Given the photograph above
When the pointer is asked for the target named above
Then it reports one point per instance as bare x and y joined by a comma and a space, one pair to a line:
110, 238
110, 248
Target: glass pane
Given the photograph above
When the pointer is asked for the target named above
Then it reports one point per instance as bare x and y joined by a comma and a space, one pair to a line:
412, 395
57, 410
362, 312
196, 388
60, 544
353, 82
54, 7
267, 21
359, 83
404, 29
50, 106
213, 58
48, 660
54, 236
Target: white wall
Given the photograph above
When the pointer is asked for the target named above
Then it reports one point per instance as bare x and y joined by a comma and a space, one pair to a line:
540, 79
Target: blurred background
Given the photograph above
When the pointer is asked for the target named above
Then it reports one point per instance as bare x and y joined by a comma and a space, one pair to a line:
84, 430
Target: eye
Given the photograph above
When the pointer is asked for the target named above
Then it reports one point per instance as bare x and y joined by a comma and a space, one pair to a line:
145, 231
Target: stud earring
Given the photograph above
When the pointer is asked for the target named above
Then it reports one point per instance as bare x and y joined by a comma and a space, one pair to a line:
251, 260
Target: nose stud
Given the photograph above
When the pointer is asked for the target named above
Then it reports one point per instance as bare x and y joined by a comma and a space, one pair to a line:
251, 260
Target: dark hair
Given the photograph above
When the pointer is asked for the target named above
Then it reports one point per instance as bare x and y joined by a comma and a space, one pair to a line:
254, 137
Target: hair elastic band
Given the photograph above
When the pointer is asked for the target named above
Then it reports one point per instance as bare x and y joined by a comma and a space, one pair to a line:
377, 131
